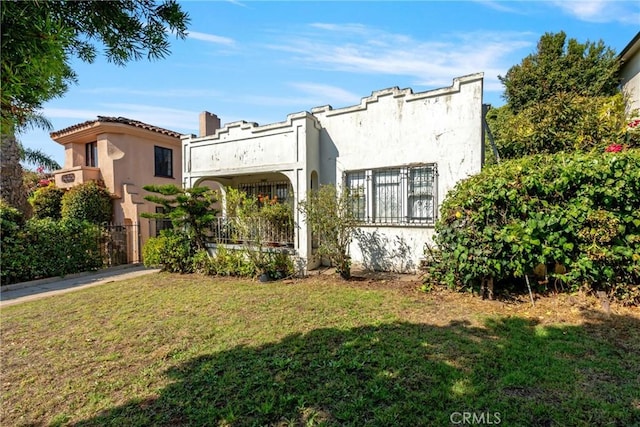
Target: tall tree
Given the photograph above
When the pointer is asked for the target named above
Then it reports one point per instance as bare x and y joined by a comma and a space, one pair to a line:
561, 66
563, 97
39, 40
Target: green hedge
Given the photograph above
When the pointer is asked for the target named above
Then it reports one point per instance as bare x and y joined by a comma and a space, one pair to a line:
577, 211
47, 248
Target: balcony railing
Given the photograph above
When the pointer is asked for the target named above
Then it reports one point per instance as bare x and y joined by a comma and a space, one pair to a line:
254, 232
67, 178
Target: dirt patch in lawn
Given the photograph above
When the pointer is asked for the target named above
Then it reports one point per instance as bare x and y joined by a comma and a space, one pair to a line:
571, 308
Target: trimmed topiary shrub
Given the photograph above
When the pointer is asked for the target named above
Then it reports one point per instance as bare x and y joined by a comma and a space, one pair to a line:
47, 202
577, 212
88, 202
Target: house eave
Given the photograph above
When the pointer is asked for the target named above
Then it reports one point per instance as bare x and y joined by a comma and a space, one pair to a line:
92, 130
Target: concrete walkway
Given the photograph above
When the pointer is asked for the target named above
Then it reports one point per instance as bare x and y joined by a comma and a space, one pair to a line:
28, 291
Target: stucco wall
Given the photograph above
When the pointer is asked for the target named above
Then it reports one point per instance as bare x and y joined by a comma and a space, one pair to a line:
242, 152
397, 127
126, 163
390, 128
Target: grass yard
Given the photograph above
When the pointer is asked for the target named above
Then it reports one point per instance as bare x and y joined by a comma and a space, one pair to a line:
179, 350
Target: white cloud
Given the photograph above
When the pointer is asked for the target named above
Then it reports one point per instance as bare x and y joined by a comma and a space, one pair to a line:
165, 93
601, 11
211, 38
327, 93
309, 95
340, 28
170, 118
429, 62
498, 5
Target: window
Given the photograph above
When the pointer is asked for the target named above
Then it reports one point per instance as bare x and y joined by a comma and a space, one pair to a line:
387, 195
164, 162
162, 223
273, 190
91, 154
356, 185
421, 194
400, 195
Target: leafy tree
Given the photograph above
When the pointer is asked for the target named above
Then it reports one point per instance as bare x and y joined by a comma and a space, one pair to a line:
564, 122
88, 202
331, 218
190, 210
563, 97
39, 38
561, 66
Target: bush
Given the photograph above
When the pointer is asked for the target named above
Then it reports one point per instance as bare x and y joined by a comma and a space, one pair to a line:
171, 251
47, 202
564, 122
579, 212
224, 262
41, 248
331, 218
88, 202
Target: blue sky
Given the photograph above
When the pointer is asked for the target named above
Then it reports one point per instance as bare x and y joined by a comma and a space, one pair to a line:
261, 60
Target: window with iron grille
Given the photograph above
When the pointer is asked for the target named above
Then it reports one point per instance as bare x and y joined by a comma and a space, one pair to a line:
399, 195
356, 182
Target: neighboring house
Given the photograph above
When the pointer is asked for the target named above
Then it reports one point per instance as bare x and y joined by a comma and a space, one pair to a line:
125, 155
630, 72
399, 151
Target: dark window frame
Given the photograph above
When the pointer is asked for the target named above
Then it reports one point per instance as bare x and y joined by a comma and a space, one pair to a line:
163, 161
91, 154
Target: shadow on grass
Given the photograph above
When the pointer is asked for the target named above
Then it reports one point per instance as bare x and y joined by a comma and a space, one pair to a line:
511, 371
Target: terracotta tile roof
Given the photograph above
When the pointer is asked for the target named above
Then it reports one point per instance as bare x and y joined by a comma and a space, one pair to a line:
122, 120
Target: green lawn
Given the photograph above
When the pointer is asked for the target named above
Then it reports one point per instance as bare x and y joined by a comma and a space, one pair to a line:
172, 350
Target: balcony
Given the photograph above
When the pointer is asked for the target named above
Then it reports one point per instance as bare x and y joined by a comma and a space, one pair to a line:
67, 178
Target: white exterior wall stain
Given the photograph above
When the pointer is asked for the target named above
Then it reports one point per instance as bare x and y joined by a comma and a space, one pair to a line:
390, 128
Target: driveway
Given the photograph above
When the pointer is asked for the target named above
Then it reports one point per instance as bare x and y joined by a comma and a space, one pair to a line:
28, 291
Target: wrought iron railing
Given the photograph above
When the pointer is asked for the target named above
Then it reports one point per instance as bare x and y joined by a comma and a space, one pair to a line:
254, 231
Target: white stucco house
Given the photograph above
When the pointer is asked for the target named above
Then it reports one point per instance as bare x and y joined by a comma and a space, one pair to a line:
400, 151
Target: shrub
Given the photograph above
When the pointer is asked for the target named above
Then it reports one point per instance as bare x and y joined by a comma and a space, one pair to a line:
88, 202
331, 218
171, 251
190, 210
578, 211
47, 202
42, 248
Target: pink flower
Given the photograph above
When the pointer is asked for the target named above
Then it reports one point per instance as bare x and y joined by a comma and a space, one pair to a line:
613, 148
40, 169
44, 182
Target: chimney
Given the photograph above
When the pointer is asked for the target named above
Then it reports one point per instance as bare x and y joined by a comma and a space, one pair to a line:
209, 123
